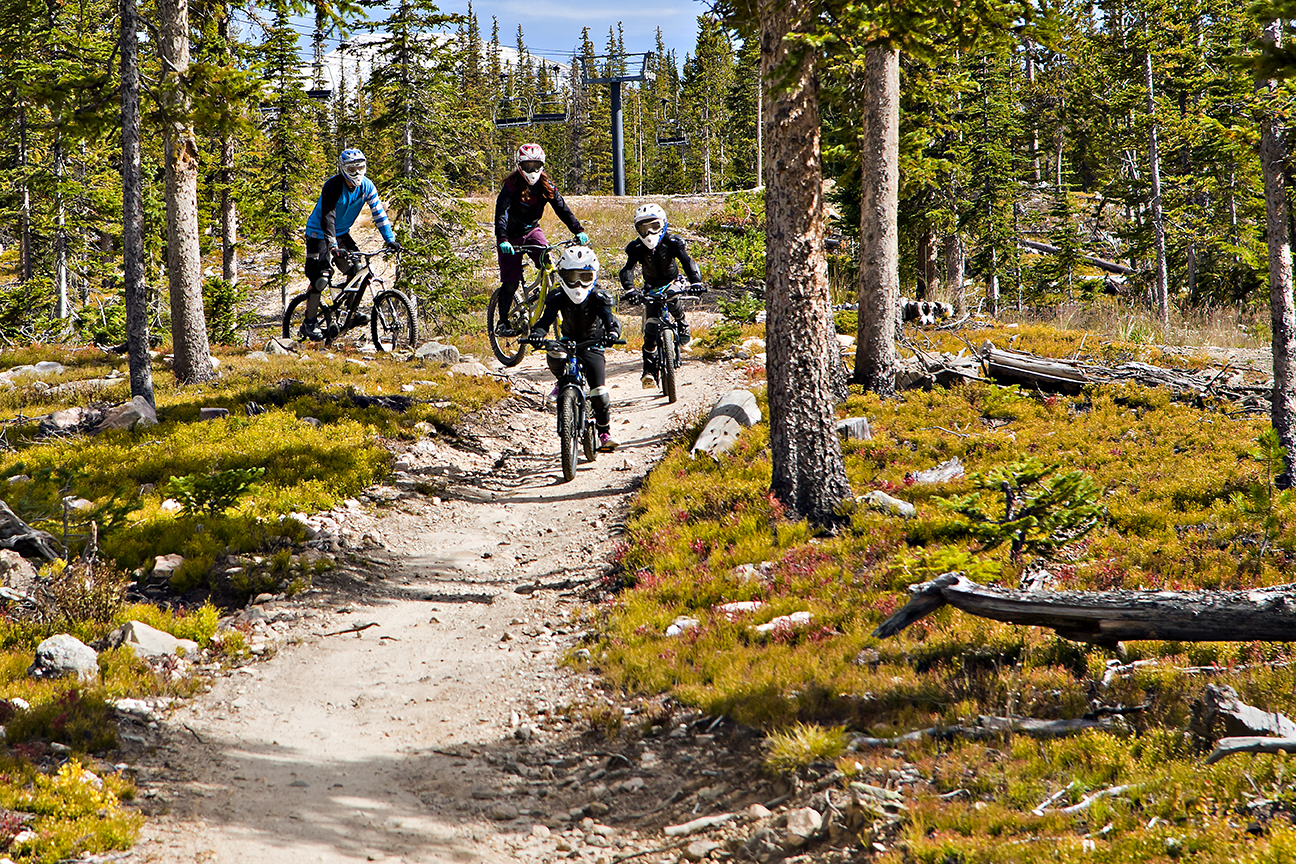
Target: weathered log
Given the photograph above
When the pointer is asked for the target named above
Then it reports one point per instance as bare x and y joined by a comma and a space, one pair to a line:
1108, 617
1101, 264
1229, 746
951, 469
733, 412
990, 727
1220, 705
1018, 367
27, 541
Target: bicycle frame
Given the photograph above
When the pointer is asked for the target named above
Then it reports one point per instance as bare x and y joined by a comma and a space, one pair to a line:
548, 277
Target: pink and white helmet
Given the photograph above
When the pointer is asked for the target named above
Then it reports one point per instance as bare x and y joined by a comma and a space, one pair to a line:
530, 161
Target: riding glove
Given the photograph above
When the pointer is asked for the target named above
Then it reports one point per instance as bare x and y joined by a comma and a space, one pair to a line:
582, 238
506, 247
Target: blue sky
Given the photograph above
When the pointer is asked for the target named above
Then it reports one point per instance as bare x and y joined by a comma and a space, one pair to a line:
552, 27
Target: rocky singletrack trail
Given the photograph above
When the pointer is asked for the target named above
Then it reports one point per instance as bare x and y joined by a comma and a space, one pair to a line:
410, 713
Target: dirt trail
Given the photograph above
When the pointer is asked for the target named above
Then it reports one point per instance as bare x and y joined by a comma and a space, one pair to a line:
383, 744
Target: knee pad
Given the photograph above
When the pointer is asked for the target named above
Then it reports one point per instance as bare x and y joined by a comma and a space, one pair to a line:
601, 401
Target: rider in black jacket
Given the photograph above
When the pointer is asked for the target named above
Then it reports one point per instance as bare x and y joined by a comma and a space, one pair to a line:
657, 251
586, 314
518, 209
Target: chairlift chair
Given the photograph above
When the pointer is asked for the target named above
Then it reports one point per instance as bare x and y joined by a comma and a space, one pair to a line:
669, 134
320, 88
512, 112
549, 108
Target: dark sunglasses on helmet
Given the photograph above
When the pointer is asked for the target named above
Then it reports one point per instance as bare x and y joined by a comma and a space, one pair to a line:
648, 226
572, 277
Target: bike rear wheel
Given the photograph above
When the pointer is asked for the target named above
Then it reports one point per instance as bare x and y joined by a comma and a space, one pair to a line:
295, 316
392, 322
589, 442
666, 363
567, 431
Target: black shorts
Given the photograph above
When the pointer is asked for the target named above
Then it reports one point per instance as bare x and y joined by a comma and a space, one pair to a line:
318, 262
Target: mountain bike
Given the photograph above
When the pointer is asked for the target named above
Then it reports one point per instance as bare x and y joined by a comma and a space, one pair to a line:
528, 305
575, 420
390, 318
665, 348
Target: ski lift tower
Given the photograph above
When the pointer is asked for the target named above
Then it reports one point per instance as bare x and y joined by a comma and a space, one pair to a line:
614, 82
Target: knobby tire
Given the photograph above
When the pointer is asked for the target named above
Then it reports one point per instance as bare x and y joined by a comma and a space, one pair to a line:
392, 323
666, 362
567, 431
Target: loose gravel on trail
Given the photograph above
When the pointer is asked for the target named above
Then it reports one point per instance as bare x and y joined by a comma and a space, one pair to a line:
411, 710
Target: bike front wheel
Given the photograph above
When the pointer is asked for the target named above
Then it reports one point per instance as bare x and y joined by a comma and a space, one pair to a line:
666, 363
567, 430
509, 350
392, 322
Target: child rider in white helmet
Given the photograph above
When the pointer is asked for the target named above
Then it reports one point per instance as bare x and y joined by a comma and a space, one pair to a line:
586, 314
658, 250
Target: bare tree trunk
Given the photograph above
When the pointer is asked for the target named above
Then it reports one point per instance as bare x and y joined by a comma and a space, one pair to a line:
1273, 157
228, 206
184, 264
954, 271
137, 319
1161, 282
809, 476
879, 285
25, 194
1034, 132
927, 262
64, 307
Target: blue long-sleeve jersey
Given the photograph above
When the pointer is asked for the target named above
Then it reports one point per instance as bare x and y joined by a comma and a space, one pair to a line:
338, 207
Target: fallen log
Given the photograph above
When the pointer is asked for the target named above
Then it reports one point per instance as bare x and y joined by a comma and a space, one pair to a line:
989, 727
1229, 746
1101, 264
1019, 367
1108, 617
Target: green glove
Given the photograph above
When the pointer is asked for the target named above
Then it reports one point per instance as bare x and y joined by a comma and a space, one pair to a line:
506, 247
582, 238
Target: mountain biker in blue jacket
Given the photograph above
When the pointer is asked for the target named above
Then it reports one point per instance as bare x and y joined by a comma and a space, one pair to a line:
657, 251
518, 208
586, 314
328, 235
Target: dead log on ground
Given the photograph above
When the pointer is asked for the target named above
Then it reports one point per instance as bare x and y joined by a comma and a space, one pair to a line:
1108, 617
991, 727
27, 541
1229, 746
950, 469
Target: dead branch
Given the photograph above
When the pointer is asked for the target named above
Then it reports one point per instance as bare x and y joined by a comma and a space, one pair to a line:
356, 629
990, 727
1108, 617
1249, 744
1088, 800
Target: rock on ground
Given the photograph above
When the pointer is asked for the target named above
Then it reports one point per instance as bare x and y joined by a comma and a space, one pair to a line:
62, 656
148, 641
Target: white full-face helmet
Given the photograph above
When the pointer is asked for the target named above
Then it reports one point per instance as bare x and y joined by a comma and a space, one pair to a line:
530, 161
351, 165
578, 270
650, 223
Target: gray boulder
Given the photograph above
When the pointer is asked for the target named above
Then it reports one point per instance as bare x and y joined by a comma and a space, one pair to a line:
164, 566
280, 346
17, 572
435, 352
148, 642
212, 413
135, 414
62, 656
801, 827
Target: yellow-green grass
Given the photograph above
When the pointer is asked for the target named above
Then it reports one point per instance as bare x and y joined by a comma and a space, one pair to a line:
307, 467
1179, 488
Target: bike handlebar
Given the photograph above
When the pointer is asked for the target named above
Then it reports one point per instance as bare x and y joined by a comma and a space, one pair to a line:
569, 345
535, 247
666, 293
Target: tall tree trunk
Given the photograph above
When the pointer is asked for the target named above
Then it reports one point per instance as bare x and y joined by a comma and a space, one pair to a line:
1160, 286
64, 307
1273, 157
954, 270
809, 475
1034, 130
228, 206
992, 285
927, 264
184, 264
137, 318
25, 195
879, 285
